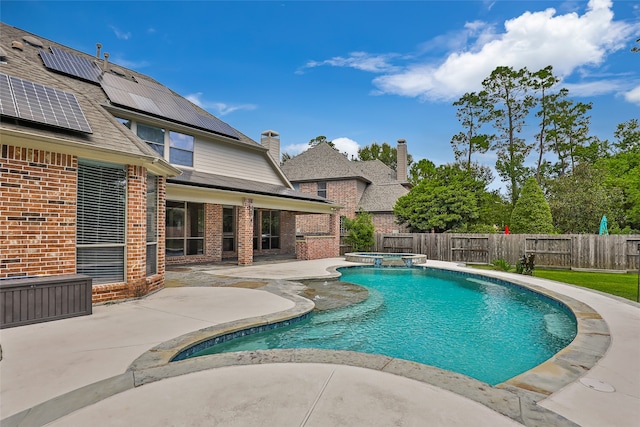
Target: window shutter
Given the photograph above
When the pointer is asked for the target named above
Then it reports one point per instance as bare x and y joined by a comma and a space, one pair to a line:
101, 222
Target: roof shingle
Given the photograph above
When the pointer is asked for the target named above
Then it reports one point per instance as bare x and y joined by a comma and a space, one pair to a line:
324, 163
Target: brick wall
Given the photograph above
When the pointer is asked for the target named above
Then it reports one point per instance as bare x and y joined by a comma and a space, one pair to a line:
137, 284
156, 281
316, 247
38, 196
347, 193
287, 232
386, 223
245, 233
136, 231
37, 212
343, 192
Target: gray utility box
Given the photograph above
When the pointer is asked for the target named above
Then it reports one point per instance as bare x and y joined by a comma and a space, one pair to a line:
28, 300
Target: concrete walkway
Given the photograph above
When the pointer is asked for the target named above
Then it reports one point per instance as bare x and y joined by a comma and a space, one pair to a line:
43, 361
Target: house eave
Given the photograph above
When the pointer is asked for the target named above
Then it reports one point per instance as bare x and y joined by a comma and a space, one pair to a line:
25, 139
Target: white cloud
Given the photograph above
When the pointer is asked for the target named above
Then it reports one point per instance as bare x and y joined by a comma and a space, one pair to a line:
295, 149
343, 144
633, 95
534, 40
219, 108
346, 145
119, 34
595, 88
358, 60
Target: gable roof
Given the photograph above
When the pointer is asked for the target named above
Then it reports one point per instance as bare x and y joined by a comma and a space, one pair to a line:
116, 92
108, 135
320, 162
323, 163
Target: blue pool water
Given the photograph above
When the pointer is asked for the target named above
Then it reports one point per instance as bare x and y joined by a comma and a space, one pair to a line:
462, 323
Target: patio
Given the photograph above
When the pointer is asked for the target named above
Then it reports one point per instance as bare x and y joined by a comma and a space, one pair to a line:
75, 371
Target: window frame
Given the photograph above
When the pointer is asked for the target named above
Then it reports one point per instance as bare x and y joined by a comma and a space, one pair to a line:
175, 149
169, 149
188, 240
101, 225
151, 259
322, 189
267, 237
229, 235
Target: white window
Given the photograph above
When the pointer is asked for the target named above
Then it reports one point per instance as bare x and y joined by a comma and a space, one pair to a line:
154, 136
180, 149
152, 224
101, 222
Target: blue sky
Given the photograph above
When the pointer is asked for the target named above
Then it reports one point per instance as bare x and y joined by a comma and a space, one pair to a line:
357, 72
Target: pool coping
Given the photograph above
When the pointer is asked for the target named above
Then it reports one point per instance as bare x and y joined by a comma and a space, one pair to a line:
569, 364
516, 398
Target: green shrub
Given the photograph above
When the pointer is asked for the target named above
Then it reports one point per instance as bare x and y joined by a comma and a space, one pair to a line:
360, 232
531, 214
501, 265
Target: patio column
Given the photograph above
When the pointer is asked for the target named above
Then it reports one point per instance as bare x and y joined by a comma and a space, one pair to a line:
334, 231
245, 233
136, 231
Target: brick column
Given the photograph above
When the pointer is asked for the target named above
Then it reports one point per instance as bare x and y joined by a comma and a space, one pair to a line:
157, 281
136, 231
245, 233
213, 232
334, 231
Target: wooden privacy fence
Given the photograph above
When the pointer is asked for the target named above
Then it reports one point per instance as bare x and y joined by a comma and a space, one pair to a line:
567, 251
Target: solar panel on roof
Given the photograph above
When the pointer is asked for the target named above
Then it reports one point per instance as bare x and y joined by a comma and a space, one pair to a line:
7, 103
216, 125
73, 65
157, 99
42, 104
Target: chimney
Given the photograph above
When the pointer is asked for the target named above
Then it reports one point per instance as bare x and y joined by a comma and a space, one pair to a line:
270, 139
98, 47
105, 65
401, 174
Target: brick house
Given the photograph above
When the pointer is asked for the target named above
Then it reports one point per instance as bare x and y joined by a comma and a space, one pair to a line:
108, 173
370, 186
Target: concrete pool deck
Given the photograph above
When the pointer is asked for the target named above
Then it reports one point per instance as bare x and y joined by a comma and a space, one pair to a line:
77, 371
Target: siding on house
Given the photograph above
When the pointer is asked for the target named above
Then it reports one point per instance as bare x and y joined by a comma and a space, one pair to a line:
224, 159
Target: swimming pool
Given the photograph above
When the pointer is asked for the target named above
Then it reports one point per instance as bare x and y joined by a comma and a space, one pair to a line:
456, 321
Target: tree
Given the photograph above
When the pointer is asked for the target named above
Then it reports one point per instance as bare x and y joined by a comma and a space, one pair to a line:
383, 152
285, 156
531, 213
446, 201
472, 112
541, 81
628, 136
423, 169
579, 199
509, 100
360, 231
320, 139
570, 130
623, 172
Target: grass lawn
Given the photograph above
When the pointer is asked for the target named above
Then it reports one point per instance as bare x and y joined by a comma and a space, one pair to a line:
622, 285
